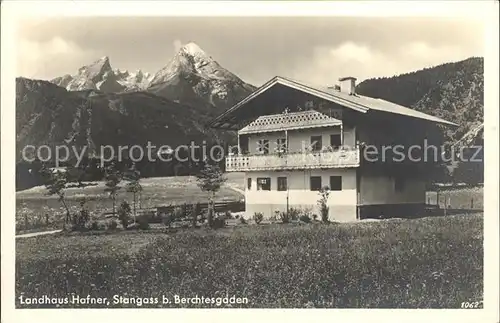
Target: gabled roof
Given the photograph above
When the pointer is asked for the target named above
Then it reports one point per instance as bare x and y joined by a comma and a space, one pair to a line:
356, 102
290, 121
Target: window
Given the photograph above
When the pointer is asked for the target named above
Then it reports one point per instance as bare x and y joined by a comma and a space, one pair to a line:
263, 184
316, 143
282, 184
335, 141
263, 146
243, 145
336, 183
249, 183
315, 183
399, 184
281, 145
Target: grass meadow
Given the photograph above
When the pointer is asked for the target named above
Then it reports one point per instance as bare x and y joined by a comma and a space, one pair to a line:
420, 263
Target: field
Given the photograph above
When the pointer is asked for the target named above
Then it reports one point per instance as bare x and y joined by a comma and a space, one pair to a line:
460, 198
421, 263
34, 205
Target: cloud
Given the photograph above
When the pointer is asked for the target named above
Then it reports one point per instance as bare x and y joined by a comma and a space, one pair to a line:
50, 58
326, 64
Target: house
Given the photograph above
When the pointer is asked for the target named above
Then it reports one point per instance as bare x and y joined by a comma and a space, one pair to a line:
295, 138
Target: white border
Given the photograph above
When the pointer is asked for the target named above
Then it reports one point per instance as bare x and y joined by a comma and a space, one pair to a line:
484, 10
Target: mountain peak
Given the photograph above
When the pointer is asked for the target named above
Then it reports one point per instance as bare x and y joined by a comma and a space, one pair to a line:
193, 49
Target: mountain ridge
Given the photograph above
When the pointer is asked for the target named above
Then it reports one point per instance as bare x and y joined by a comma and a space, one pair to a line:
191, 77
452, 91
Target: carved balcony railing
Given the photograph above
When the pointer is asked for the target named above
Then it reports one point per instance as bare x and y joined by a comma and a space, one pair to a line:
290, 161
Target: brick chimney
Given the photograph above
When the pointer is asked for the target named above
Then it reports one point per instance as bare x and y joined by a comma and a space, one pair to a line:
348, 85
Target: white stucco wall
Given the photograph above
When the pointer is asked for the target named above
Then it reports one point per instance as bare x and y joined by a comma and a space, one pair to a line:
297, 138
342, 203
381, 190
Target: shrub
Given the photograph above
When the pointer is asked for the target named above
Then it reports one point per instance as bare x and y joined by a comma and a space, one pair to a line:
143, 223
324, 193
228, 215
195, 213
284, 217
167, 220
183, 211
294, 214
81, 218
203, 216
314, 216
178, 213
242, 220
305, 218
124, 214
258, 217
218, 222
112, 225
94, 226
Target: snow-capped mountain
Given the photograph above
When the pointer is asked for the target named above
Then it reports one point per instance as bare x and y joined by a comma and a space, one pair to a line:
137, 80
193, 77
100, 76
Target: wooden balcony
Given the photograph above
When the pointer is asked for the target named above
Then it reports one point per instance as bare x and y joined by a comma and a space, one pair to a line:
289, 161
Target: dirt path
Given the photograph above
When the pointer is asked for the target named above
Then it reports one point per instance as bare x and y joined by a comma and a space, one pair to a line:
34, 234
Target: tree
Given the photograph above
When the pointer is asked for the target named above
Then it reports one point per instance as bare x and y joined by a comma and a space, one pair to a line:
210, 179
133, 186
113, 177
55, 182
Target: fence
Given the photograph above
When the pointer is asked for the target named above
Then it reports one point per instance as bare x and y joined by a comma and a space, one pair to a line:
221, 207
38, 222
456, 201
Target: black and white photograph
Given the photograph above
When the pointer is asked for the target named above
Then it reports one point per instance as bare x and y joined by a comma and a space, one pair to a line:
250, 161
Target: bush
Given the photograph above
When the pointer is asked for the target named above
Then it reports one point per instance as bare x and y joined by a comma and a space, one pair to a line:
124, 214
112, 225
284, 217
143, 223
94, 226
203, 216
183, 211
242, 220
81, 218
324, 193
195, 213
294, 214
167, 220
218, 222
305, 218
258, 217
314, 216
178, 213
228, 215
275, 216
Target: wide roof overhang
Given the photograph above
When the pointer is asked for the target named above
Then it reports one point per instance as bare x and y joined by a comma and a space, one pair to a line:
282, 93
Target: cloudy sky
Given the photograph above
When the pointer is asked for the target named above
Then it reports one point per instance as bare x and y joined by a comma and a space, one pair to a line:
316, 50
